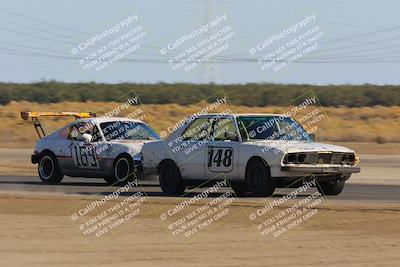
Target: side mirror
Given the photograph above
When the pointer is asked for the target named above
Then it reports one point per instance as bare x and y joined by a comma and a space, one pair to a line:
231, 136
313, 137
87, 137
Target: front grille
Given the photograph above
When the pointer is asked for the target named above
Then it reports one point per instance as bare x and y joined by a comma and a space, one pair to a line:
337, 158
324, 158
312, 158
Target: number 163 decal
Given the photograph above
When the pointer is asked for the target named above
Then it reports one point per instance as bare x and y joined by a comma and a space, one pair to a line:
84, 157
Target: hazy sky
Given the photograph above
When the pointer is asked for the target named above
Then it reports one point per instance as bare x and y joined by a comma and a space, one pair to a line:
360, 41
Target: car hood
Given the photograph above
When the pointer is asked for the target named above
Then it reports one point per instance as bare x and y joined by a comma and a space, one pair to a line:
300, 146
133, 141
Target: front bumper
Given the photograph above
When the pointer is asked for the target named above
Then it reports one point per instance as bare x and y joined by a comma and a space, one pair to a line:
321, 169
34, 158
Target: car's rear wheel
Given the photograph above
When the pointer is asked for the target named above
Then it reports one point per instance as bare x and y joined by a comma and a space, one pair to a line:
331, 188
258, 178
170, 179
48, 169
123, 171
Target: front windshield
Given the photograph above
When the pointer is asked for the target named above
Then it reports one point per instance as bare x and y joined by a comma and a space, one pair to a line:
127, 130
271, 128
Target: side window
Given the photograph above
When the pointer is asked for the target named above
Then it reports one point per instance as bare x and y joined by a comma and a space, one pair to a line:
199, 129
96, 135
75, 134
77, 130
222, 126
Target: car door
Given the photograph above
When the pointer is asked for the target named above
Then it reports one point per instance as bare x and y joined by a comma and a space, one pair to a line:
222, 152
189, 148
62, 149
85, 160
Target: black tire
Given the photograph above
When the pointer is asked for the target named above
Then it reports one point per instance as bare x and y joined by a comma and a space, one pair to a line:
170, 179
258, 178
123, 171
331, 188
240, 188
109, 180
48, 169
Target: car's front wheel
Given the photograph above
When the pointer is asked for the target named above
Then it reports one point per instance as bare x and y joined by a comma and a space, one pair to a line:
123, 171
170, 179
258, 178
332, 188
48, 169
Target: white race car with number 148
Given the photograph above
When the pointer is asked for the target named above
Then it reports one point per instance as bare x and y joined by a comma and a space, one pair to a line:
254, 152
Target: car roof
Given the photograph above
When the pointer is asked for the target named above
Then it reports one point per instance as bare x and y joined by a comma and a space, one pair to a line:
260, 114
94, 121
108, 119
243, 114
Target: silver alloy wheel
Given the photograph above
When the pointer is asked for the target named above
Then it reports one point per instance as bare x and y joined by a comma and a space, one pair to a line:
121, 170
46, 167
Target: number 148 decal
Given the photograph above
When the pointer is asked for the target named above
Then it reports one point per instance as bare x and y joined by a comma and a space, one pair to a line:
220, 159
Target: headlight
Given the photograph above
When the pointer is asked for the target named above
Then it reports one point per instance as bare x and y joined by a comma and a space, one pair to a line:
295, 158
290, 158
138, 157
321, 157
348, 159
356, 159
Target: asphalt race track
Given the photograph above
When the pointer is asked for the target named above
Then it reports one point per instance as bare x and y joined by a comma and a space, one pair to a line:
91, 186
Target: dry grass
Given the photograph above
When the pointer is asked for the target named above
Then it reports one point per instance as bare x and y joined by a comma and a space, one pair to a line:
368, 124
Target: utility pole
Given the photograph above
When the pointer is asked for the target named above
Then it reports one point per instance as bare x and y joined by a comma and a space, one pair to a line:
207, 69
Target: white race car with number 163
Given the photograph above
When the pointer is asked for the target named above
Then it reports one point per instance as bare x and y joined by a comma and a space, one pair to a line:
101, 147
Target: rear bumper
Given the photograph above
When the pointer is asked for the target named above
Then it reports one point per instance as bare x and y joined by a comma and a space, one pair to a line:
34, 158
321, 169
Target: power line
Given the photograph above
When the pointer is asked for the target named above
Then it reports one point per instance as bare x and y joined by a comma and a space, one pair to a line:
40, 30
41, 21
37, 36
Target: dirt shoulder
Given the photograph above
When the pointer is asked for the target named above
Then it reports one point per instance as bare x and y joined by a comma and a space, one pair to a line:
37, 231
